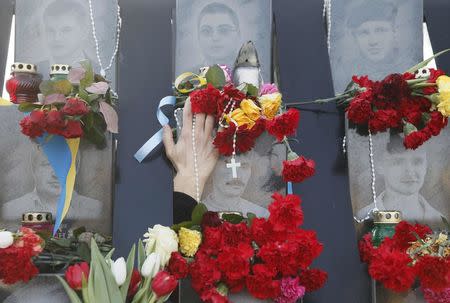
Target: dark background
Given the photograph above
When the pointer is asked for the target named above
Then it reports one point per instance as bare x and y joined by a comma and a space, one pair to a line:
144, 192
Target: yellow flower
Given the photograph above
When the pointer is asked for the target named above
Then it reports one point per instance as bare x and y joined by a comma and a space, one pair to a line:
444, 103
251, 109
443, 83
270, 104
189, 241
241, 118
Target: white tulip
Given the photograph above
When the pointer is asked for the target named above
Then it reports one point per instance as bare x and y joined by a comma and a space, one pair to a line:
119, 271
162, 240
151, 265
6, 239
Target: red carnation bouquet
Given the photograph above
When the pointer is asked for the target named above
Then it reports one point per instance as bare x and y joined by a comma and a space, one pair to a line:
16, 255
413, 253
244, 113
269, 258
415, 103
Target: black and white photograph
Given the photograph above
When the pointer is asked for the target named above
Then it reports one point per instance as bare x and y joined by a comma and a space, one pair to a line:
374, 38
212, 32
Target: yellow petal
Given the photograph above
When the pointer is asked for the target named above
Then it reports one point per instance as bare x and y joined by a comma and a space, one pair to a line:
251, 109
270, 104
241, 118
443, 83
444, 104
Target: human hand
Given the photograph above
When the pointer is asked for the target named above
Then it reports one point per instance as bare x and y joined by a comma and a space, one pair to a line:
181, 154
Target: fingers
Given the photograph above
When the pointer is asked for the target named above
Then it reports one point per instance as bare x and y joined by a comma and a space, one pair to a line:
200, 127
169, 144
209, 125
187, 119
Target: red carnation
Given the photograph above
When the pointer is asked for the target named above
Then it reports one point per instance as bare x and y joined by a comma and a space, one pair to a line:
72, 130
213, 296
34, 125
434, 74
405, 234
284, 125
234, 263
298, 170
55, 122
436, 123
366, 248
363, 81
234, 234
178, 266
16, 264
204, 273
392, 268
163, 284
384, 119
360, 108
261, 285
433, 272
262, 232
135, 281
313, 279
205, 100
212, 239
76, 273
211, 219
285, 212
391, 89
416, 139
75, 107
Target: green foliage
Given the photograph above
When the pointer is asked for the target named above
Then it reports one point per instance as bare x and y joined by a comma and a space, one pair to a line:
70, 292
409, 128
425, 62
233, 218
63, 87
130, 266
27, 107
215, 76
198, 212
141, 254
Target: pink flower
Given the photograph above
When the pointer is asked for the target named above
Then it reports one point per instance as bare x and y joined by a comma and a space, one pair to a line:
268, 88
437, 296
291, 290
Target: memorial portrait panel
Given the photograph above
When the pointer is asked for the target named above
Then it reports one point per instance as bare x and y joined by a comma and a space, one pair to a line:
212, 31
374, 38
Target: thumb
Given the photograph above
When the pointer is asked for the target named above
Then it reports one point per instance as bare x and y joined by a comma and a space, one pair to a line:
169, 144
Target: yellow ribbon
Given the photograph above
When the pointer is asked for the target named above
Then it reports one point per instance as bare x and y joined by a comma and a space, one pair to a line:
196, 81
71, 175
4, 102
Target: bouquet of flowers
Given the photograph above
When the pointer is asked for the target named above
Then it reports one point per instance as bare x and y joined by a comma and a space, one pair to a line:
80, 105
243, 112
413, 253
17, 251
270, 258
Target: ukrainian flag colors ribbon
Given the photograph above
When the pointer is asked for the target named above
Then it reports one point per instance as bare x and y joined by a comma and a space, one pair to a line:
62, 154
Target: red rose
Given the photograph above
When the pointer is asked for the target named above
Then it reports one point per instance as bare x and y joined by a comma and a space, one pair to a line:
205, 100
261, 285
211, 219
284, 125
55, 122
298, 170
72, 130
405, 233
313, 279
416, 139
75, 273
433, 272
34, 125
204, 273
360, 108
178, 266
134, 283
366, 248
285, 212
213, 296
381, 120
235, 234
391, 268
75, 107
163, 284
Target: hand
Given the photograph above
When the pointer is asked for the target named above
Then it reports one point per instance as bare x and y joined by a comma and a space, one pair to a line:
181, 154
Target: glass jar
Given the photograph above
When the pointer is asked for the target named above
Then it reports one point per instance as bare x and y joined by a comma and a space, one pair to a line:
384, 225
40, 222
59, 72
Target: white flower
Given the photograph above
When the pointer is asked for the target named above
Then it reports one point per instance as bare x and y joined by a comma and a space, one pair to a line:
162, 240
151, 265
6, 239
119, 271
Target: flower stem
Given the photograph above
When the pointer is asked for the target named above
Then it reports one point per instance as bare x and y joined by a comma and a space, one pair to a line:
321, 101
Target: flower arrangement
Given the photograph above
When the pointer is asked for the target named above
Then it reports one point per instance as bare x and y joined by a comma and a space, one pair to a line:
79, 105
270, 258
17, 251
413, 253
243, 112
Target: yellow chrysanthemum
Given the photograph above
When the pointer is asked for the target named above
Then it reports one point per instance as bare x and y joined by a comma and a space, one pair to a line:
444, 103
190, 240
251, 109
270, 104
443, 83
241, 118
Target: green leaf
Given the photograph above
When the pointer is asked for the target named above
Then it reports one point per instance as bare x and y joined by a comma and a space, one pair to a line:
109, 254
143, 292
27, 107
69, 291
130, 266
215, 76
198, 212
232, 218
425, 62
251, 217
83, 94
92, 97
185, 224
84, 252
252, 90
88, 76
77, 232
408, 128
62, 87
141, 254
66, 243
84, 290
46, 88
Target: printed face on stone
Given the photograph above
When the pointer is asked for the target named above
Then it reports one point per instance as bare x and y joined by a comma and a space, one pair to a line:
375, 39
405, 171
43, 174
223, 181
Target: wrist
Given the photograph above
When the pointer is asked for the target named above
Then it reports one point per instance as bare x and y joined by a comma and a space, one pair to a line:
186, 184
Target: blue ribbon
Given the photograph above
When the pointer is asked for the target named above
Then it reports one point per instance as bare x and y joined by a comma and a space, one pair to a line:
289, 188
156, 139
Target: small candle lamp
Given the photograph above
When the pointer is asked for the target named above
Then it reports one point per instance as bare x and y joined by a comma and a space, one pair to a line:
23, 86
41, 222
59, 72
384, 225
